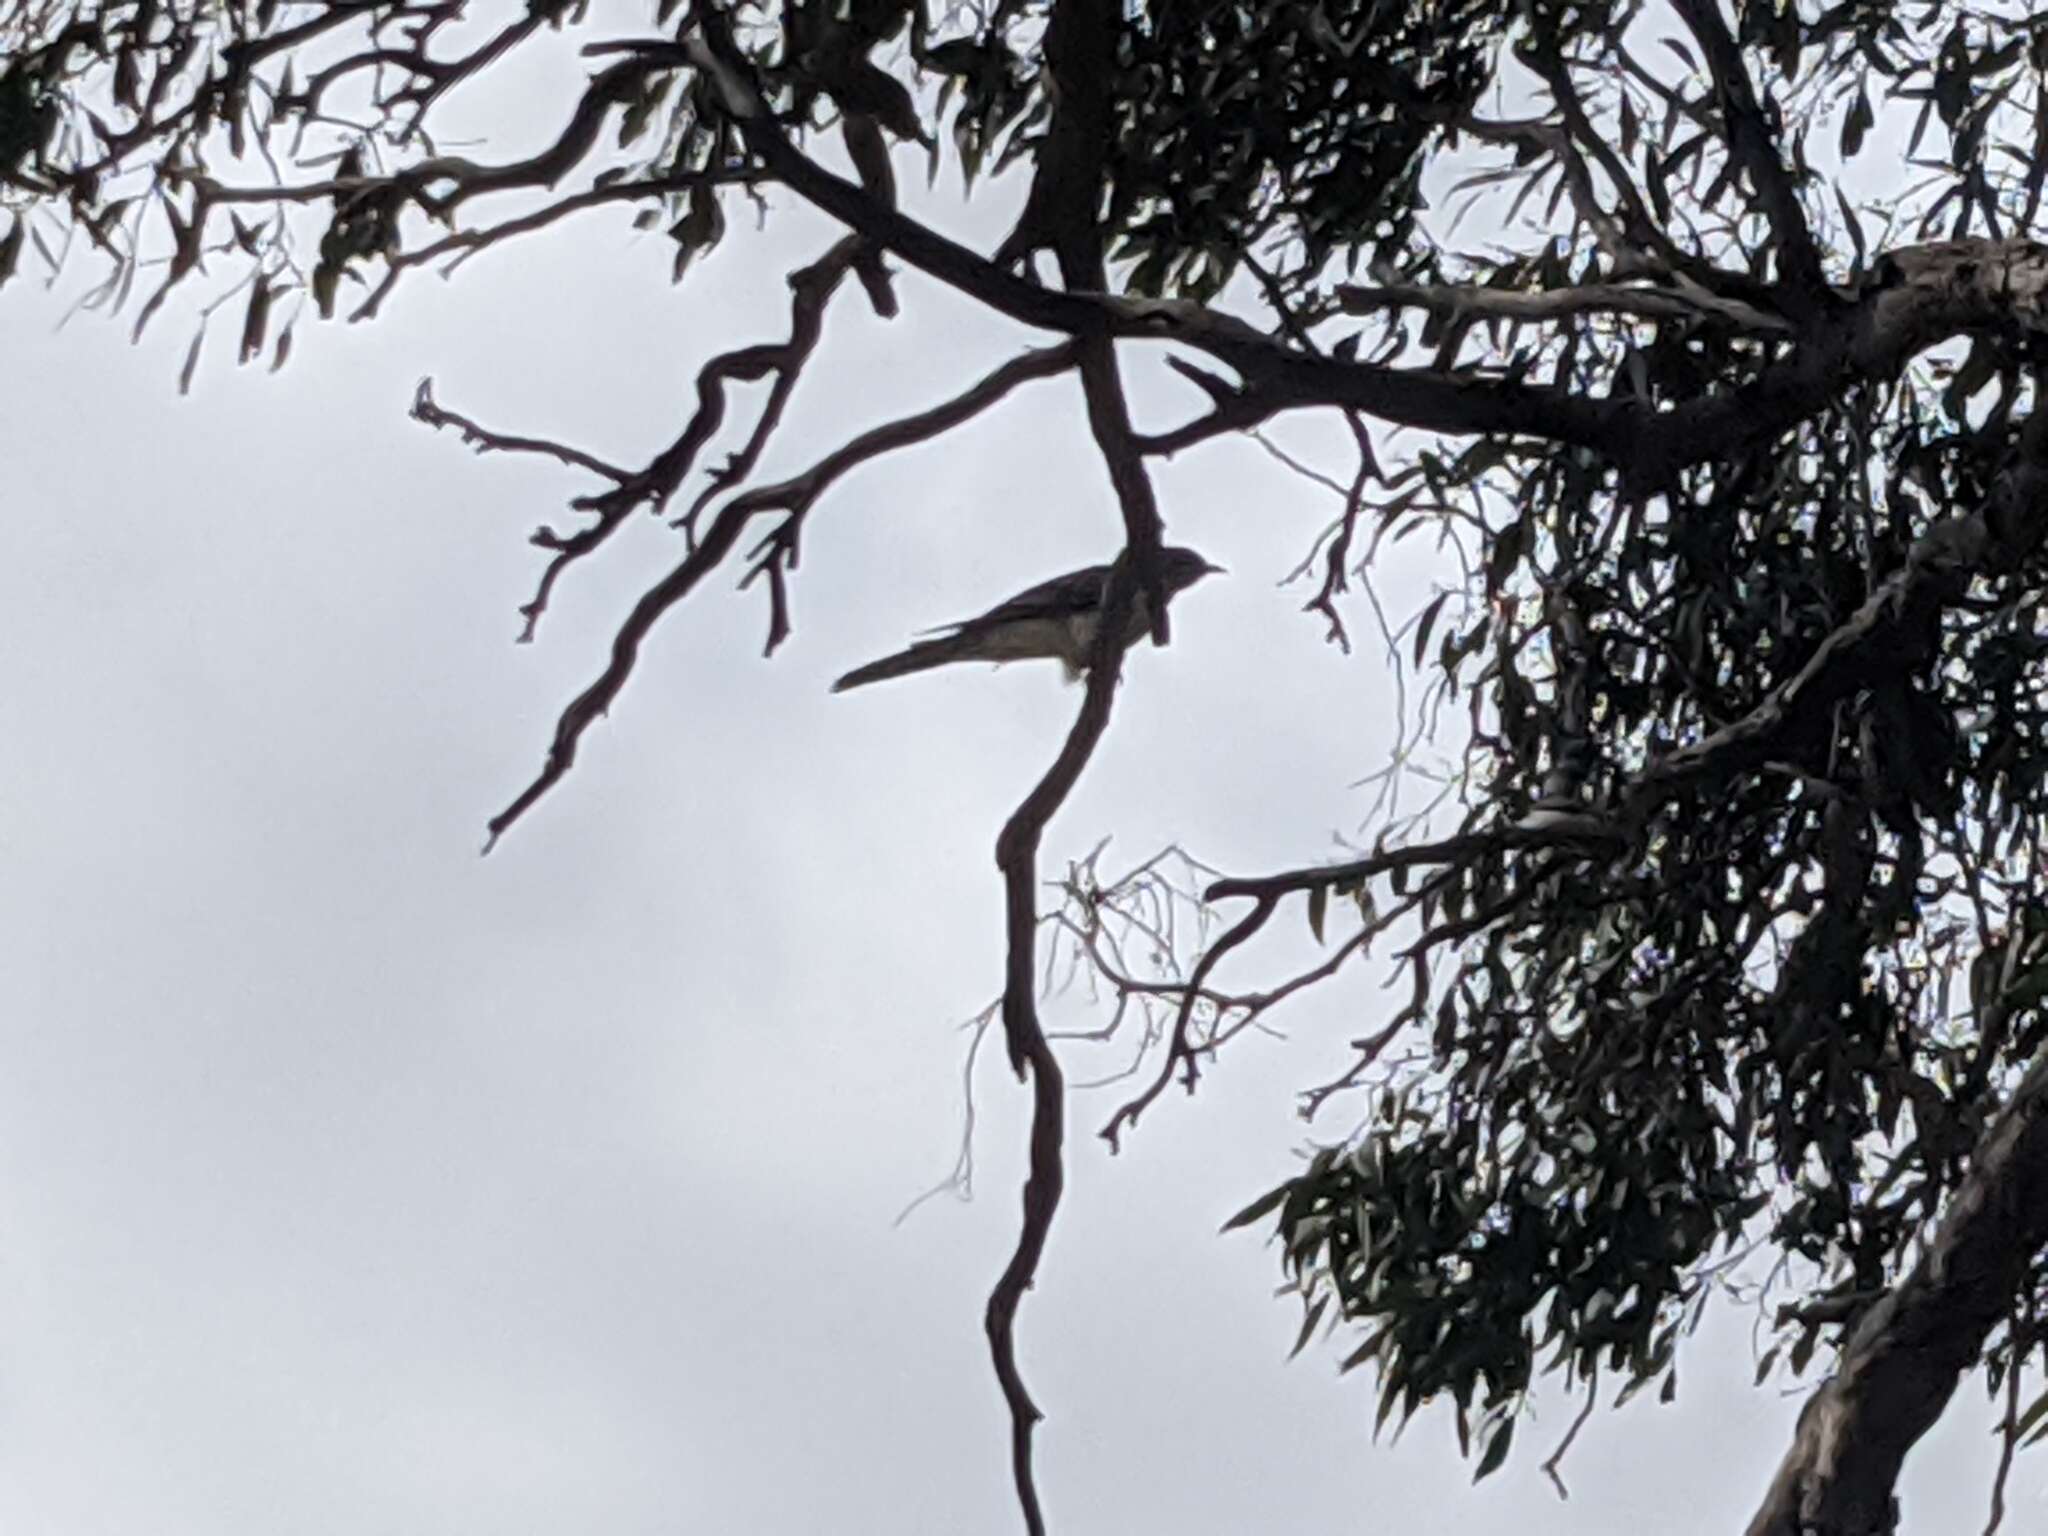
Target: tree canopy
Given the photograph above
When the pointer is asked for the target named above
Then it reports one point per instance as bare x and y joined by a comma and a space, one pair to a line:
1721, 958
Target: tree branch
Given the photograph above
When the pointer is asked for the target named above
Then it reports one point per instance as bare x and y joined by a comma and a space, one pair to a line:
1884, 634
1942, 289
1903, 1362
776, 554
1031, 1054
1753, 145
1644, 238
1283, 375
1458, 302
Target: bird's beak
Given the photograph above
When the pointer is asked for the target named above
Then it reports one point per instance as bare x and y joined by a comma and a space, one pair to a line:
1213, 570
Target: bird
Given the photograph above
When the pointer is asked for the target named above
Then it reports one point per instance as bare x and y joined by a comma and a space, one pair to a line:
1055, 619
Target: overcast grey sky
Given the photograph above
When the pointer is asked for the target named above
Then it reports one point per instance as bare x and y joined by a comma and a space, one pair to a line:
353, 1183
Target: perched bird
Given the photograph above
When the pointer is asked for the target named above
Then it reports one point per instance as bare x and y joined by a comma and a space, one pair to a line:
1056, 618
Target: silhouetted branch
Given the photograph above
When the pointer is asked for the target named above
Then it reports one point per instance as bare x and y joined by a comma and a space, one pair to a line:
466, 243
1753, 145
1031, 1054
1903, 1362
1457, 301
812, 288
481, 438
591, 705
776, 554
1885, 633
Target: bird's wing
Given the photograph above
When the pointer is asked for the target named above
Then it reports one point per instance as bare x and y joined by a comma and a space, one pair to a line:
1054, 599
1010, 631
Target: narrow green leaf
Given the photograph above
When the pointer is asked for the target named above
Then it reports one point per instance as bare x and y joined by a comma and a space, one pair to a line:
1856, 124
2032, 1416
1802, 1351
1308, 1326
191, 362
1855, 228
1428, 624
1496, 1450
256, 321
10, 248
1363, 1353
1265, 1205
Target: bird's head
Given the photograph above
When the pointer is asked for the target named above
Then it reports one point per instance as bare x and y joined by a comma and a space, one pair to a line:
1183, 568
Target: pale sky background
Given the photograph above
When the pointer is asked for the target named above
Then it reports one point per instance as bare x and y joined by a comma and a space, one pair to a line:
352, 1183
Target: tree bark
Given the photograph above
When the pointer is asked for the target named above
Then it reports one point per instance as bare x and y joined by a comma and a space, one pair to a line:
1903, 1362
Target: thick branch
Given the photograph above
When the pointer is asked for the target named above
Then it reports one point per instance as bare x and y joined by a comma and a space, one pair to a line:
1904, 1360
1457, 302
1283, 376
1061, 212
1920, 295
1077, 49
1066, 183
1109, 417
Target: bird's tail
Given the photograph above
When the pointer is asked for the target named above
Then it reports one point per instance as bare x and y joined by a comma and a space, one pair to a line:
920, 657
